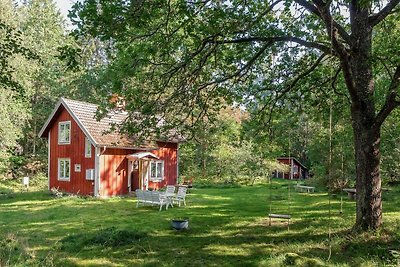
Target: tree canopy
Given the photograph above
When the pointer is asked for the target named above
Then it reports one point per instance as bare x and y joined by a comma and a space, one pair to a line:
187, 59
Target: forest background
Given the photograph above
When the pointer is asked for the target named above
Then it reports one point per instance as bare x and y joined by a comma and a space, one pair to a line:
40, 64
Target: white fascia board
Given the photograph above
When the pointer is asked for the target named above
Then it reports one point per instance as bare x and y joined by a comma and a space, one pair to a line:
80, 124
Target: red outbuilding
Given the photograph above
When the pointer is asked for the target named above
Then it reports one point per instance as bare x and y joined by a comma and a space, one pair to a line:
296, 169
85, 157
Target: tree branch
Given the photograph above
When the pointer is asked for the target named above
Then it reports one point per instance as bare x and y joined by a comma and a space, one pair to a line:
391, 101
290, 86
325, 49
325, 16
375, 18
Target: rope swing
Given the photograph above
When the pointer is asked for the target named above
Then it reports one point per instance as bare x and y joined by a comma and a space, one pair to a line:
276, 215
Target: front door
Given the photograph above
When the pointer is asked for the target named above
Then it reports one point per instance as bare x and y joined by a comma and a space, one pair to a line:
144, 173
133, 174
138, 173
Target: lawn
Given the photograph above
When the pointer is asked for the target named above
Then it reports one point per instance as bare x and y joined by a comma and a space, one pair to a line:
228, 227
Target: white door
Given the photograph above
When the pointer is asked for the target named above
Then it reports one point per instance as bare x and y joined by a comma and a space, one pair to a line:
145, 174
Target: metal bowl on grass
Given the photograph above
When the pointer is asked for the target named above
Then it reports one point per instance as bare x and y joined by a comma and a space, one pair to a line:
180, 224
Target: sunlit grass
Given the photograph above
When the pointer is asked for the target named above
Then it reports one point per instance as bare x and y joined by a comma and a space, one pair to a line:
228, 226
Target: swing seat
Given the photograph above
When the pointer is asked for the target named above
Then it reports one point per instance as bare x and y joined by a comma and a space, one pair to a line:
279, 216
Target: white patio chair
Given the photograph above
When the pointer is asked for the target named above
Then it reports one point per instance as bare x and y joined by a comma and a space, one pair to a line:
180, 196
170, 190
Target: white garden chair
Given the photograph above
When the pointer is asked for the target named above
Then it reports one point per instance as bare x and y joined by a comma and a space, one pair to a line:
170, 190
180, 196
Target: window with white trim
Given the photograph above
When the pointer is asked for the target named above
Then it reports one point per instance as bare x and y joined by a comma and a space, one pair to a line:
64, 169
157, 170
64, 132
88, 148
295, 169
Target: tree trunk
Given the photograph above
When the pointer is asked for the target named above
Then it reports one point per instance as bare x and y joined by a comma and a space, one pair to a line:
368, 180
357, 66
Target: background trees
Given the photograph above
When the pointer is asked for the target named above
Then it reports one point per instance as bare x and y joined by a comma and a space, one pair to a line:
286, 62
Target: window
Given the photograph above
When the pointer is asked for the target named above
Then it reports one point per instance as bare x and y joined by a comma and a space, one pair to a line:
295, 169
157, 170
90, 174
88, 148
64, 169
64, 132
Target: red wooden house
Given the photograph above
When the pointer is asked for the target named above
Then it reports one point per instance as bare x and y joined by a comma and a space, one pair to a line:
86, 158
296, 169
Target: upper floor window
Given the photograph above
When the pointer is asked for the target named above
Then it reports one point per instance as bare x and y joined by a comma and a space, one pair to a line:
157, 170
64, 132
88, 148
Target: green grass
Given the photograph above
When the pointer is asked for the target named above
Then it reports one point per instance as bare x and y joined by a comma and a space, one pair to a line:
228, 227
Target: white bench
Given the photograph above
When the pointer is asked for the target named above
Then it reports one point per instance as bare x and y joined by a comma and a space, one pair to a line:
280, 216
152, 198
303, 188
351, 193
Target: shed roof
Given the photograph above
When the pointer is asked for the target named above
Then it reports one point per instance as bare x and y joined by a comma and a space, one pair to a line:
100, 132
304, 167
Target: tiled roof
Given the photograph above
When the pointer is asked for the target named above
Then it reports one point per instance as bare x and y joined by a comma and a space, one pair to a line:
100, 131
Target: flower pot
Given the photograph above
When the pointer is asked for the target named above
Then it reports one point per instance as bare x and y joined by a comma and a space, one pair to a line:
179, 224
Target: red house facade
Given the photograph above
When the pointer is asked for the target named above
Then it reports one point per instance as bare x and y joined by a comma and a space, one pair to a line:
85, 157
296, 169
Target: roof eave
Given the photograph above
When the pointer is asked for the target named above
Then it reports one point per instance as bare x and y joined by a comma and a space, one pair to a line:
77, 120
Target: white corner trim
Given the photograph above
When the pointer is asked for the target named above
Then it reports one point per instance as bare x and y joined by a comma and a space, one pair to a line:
97, 172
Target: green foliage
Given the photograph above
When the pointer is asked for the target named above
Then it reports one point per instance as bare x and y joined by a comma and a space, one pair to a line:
218, 153
32, 77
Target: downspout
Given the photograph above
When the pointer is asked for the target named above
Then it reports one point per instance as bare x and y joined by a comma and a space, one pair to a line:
98, 153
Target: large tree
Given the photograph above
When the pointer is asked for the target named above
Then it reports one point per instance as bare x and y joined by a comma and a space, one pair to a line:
179, 58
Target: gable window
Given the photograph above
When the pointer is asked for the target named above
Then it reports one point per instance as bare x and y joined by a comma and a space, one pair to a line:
64, 169
64, 132
88, 148
157, 170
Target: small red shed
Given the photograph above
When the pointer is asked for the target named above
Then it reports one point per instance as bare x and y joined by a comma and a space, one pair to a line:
296, 171
85, 157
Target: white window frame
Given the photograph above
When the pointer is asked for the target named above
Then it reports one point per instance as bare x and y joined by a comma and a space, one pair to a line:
156, 178
60, 141
88, 148
63, 177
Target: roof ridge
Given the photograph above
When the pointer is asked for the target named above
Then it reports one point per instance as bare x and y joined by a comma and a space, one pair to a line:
79, 101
